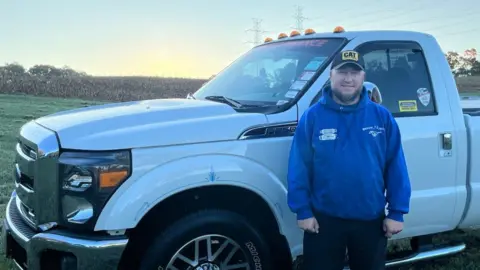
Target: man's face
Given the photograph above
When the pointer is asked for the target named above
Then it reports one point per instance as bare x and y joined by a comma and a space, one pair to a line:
347, 82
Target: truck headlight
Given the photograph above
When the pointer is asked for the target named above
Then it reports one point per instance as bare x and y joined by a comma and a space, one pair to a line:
87, 180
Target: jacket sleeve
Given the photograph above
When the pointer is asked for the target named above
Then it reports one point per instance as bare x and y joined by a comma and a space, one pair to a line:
299, 168
396, 174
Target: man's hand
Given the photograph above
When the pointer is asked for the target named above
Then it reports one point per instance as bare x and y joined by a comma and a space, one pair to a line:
391, 227
309, 225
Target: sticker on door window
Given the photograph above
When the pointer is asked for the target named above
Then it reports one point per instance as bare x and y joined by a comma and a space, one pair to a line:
407, 105
424, 96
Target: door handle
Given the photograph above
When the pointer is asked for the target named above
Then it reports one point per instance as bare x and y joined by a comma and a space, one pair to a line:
447, 143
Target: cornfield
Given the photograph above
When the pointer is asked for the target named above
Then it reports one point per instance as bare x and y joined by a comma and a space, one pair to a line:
98, 88
125, 88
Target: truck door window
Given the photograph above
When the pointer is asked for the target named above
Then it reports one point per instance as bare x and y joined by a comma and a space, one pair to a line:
400, 71
272, 74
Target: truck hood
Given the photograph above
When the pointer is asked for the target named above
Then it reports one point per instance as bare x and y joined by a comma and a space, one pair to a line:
148, 123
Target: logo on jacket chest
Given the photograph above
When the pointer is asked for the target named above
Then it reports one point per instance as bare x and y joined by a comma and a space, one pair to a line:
328, 134
374, 130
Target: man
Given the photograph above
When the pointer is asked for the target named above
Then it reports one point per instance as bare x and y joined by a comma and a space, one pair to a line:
346, 151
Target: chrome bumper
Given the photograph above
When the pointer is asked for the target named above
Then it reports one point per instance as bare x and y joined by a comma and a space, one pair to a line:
31, 250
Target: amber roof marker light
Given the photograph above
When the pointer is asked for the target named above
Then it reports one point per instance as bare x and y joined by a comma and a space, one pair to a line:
294, 33
309, 31
338, 29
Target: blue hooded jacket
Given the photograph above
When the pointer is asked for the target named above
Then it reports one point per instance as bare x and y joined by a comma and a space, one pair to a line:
342, 160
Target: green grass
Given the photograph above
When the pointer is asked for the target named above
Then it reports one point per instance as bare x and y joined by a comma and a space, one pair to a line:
17, 110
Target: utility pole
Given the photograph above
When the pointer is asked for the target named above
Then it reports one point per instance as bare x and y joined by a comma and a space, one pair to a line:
257, 31
257, 38
299, 18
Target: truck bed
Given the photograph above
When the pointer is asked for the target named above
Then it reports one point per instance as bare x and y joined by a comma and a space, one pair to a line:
472, 122
470, 105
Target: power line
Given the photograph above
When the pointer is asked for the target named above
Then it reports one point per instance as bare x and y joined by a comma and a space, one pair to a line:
447, 25
454, 33
377, 20
356, 10
440, 16
257, 31
299, 18
418, 8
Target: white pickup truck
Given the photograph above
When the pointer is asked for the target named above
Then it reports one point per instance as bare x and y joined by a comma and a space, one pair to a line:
200, 183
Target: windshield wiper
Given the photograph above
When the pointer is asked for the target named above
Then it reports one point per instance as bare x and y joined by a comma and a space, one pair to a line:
226, 100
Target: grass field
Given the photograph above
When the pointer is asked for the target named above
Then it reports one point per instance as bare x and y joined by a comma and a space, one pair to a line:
15, 110
468, 84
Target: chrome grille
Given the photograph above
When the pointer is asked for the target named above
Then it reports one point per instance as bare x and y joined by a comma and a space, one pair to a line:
19, 221
26, 212
35, 175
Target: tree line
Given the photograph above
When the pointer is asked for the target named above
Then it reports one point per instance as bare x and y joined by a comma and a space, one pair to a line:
461, 64
465, 64
39, 70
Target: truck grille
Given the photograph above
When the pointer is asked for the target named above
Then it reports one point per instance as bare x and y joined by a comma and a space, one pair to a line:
35, 175
19, 220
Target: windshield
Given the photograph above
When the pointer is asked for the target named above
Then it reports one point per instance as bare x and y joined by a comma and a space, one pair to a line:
271, 74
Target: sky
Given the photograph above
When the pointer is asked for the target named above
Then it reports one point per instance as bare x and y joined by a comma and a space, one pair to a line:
198, 38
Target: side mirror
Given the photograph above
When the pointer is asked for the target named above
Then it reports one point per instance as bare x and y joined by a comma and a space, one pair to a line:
373, 92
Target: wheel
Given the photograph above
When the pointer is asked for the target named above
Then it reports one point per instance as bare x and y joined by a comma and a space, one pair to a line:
208, 239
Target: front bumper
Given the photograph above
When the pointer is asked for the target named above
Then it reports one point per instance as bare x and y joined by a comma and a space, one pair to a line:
57, 248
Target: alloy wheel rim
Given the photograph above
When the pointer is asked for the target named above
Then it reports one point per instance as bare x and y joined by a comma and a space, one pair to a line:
209, 252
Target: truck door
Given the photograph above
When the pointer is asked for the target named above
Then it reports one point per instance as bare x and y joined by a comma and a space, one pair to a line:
404, 74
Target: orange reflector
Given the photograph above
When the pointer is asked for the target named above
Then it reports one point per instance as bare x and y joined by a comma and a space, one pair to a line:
309, 31
282, 35
338, 29
268, 39
294, 33
112, 179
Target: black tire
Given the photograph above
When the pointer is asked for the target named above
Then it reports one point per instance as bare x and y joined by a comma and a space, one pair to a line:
205, 222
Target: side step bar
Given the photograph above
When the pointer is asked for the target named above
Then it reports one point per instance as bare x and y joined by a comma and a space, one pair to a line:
420, 253
428, 255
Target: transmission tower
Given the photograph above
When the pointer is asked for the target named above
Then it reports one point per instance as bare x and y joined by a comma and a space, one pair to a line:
257, 32
299, 18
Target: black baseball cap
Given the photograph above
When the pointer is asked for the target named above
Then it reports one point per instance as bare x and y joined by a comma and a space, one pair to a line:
351, 58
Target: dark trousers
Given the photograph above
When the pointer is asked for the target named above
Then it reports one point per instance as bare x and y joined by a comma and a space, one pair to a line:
365, 241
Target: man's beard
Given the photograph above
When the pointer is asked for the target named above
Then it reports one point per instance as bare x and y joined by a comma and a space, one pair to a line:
346, 98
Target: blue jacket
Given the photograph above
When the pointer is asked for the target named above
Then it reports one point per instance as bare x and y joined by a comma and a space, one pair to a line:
342, 160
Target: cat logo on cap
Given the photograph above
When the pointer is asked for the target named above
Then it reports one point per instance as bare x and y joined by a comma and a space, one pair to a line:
349, 55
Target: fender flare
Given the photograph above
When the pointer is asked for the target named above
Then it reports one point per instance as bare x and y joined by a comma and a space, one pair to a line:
145, 189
